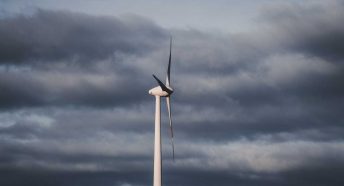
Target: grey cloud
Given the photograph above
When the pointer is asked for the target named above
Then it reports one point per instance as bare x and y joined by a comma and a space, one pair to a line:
314, 30
55, 36
59, 178
41, 88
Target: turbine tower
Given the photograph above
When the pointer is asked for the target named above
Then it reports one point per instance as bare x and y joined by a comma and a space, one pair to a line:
161, 91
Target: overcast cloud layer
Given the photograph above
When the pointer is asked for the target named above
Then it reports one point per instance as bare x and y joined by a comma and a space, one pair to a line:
261, 107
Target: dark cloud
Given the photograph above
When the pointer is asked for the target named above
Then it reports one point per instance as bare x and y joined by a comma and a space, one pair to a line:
55, 36
254, 108
106, 178
41, 89
313, 30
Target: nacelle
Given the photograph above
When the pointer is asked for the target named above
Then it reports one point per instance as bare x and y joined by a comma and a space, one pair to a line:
157, 91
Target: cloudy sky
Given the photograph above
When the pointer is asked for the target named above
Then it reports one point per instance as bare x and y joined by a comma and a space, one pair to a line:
259, 92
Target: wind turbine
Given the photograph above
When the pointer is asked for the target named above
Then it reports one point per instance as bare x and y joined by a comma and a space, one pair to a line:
161, 91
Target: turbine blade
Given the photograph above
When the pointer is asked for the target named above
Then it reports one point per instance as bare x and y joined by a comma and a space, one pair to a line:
161, 84
169, 65
168, 103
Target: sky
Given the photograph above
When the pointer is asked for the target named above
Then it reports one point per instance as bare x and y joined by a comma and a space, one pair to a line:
258, 92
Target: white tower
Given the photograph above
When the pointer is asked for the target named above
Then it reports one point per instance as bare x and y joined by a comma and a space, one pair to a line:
161, 91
